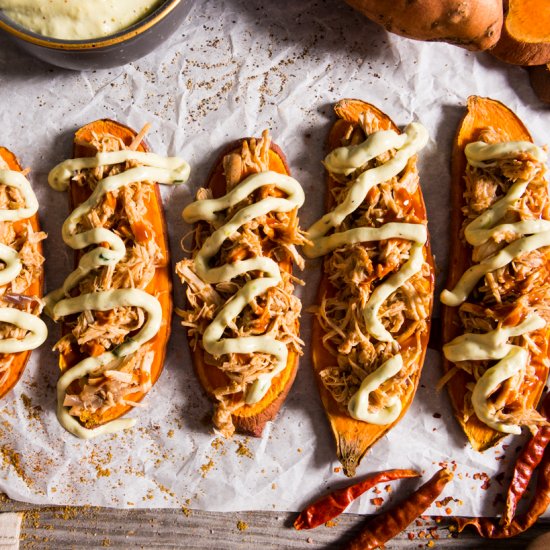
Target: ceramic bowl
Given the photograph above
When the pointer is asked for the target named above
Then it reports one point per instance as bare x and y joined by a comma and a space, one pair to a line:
109, 51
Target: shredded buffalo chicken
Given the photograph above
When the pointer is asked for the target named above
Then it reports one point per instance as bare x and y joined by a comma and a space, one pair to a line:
91, 333
22, 238
508, 295
355, 270
274, 313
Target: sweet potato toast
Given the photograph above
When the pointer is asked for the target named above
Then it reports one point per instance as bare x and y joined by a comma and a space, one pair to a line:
22, 291
368, 245
247, 382
116, 306
499, 195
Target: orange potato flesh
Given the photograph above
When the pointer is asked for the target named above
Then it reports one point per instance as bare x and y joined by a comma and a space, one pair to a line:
525, 36
529, 20
161, 284
35, 289
481, 113
353, 437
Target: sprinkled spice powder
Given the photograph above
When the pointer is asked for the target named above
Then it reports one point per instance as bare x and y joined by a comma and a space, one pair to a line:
13, 459
186, 511
243, 450
205, 468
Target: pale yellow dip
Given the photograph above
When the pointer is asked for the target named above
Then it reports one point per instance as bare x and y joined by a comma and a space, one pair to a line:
77, 19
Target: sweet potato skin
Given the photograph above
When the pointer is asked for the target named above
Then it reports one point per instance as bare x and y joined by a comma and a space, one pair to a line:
540, 81
35, 289
481, 112
471, 24
249, 419
354, 438
160, 285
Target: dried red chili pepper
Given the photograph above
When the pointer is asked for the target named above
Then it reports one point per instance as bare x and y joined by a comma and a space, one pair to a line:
333, 504
534, 453
487, 528
388, 524
526, 463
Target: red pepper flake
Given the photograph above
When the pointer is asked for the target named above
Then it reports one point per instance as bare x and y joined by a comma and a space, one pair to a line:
337, 469
418, 522
422, 534
431, 544
486, 480
331, 523
388, 488
376, 491
377, 501
410, 536
448, 511
444, 501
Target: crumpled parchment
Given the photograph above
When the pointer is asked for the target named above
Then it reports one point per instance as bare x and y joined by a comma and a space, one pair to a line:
234, 68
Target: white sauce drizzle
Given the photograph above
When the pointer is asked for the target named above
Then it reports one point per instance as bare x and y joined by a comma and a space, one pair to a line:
207, 210
345, 160
37, 332
358, 406
492, 345
163, 170
483, 227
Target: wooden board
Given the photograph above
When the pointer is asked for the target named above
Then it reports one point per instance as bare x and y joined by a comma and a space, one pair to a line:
69, 527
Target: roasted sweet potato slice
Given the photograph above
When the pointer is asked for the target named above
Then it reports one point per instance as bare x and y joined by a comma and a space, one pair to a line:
484, 114
235, 165
525, 36
10, 376
355, 437
149, 227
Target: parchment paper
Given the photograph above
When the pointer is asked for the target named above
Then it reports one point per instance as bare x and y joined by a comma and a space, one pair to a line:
234, 68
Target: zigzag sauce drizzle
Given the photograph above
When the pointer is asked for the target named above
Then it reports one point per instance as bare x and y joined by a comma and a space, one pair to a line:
171, 170
492, 345
345, 160
37, 330
206, 210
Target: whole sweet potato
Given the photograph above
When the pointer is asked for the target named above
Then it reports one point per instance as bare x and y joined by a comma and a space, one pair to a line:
471, 24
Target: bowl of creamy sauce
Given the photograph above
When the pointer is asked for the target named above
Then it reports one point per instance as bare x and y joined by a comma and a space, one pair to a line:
91, 34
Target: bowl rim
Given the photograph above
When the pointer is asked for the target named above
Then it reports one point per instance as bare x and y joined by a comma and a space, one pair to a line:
165, 8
